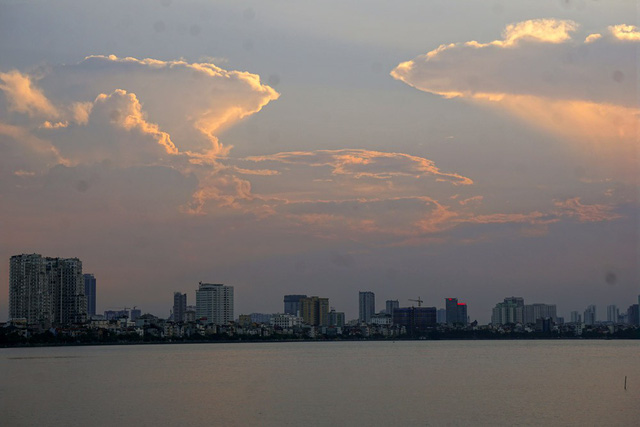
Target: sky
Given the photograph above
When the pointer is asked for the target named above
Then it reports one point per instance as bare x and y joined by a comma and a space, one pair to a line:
433, 149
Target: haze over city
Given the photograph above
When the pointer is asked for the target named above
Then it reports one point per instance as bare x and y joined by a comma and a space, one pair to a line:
432, 149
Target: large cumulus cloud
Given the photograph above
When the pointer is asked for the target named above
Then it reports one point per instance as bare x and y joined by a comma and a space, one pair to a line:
579, 85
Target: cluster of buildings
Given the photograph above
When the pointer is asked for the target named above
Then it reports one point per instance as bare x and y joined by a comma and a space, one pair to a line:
49, 293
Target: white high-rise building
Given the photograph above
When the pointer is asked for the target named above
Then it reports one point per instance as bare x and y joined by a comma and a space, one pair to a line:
46, 291
214, 302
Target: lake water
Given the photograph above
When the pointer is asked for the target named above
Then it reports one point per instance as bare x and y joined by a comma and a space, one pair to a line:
419, 383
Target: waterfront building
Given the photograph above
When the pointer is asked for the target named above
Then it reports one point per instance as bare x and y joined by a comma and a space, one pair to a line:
214, 303
415, 319
590, 315
533, 312
90, 293
382, 319
285, 320
612, 313
292, 304
179, 306
511, 310
441, 315
456, 313
390, 305
46, 291
367, 306
315, 311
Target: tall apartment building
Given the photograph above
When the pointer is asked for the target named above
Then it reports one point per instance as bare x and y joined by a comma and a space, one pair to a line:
590, 315
46, 291
366, 306
315, 311
612, 313
511, 310
456, 312
90, 293
214, 302
391, 305
533, 312
179, 306
292, 304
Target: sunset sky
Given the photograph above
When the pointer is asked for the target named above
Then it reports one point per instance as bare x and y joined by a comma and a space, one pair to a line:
469, 149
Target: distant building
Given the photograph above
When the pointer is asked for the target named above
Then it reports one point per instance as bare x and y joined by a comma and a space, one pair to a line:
367, 306
134, 314
214, 302
315, 311
292, 304
633, 315
576, 317
336, 318
441, 315
511, 310
90, 293
260, 318
46, 291
415, 319
179, 306
391, 305
533, 312
590, 315
612, 313
456, 312
284, 320
382, 319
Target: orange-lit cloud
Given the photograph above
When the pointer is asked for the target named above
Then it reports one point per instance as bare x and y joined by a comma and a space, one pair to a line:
366, 163
584, 91
585, 213
24, 96
625, 32
125, 111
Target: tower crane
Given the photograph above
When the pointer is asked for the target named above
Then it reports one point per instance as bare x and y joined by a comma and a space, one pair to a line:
419, 301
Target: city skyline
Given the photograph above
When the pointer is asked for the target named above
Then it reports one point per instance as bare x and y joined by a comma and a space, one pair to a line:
435, 150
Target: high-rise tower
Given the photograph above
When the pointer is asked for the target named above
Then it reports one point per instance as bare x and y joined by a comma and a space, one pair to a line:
215, 303
367, 306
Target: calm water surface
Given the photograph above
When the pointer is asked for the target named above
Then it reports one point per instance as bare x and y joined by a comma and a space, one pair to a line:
420, 383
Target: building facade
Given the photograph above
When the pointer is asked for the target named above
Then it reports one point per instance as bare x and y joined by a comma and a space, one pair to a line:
179, 307
46, 291
391, 305
533, 312
292, 304
415, 319
366, 306
456, 312
90, 293
511, 310
214, 303
590, 315
315, 311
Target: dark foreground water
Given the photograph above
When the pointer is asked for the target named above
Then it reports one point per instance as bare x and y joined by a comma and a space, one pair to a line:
419, 383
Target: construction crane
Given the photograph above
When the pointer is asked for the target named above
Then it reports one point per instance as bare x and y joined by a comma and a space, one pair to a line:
419, 301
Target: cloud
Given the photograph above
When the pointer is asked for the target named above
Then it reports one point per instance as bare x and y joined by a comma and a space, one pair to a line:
125, 111
582, 91
585, 213
625, 32
360, 163
24, 96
